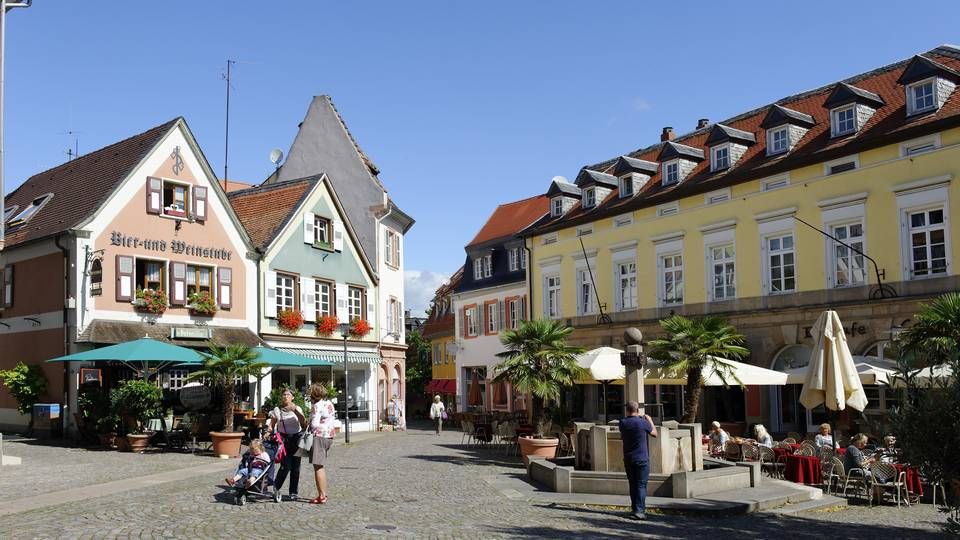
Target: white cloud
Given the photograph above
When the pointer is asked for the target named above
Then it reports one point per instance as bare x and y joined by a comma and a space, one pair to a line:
420, 286
639, 104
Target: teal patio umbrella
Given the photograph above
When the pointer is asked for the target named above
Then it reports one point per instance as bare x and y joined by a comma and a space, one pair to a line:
138, 354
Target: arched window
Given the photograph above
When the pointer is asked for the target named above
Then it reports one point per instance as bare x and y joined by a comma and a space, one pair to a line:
395, 387
96, 278
791, 357
879, 349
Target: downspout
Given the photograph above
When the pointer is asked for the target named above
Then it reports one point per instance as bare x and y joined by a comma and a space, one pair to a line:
386, 382
529, 277
66, 335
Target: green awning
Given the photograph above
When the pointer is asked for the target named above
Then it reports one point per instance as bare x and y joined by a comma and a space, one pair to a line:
334, 357
276, 357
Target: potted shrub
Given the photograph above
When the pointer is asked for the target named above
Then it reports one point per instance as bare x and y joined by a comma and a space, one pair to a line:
290, 321
135, 402
26, 384
538, 361
327, 325
94, 406
221, 366
150, 301
359, 328
202, 303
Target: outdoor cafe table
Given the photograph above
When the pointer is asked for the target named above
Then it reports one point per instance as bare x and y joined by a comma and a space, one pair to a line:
803, 469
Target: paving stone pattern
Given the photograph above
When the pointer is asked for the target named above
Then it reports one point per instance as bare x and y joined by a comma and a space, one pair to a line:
401, 485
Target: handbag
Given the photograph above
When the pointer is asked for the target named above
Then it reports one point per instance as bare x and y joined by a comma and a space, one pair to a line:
443, 415
305, 445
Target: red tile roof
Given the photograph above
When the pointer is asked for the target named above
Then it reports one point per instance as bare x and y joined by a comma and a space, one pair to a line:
511, 218
441, 321
265, 210
80, 186
889, 124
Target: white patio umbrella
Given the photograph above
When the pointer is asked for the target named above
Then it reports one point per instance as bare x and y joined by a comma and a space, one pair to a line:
832, 379
870, 370
603, 365
927, 375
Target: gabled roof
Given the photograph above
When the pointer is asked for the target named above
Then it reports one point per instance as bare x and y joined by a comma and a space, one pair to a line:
442, 321
921, 67
720, 133
779, 114
565, 188
266, 210
673, 150
588, 178
81, 186
844, 93
626, 165
510, 218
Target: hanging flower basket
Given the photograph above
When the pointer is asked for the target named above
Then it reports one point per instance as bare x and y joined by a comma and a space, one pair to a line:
327, 325
359, 328
290, 321
202, 304
150, 301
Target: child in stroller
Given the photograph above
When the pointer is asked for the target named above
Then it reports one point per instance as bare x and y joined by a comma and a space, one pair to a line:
255, 472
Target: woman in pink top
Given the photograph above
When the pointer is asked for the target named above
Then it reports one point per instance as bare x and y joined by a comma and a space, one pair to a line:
322, 417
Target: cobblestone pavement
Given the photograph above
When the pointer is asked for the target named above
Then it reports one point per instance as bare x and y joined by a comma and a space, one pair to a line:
410, 484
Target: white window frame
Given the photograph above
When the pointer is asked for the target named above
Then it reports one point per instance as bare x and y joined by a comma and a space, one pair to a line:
589, 197
719, 237
584, 230
552, 307
319, 286
772, 139
626, 186
833, 245
827, 165
717, 197
926, 229
472, 320
668, 209
586, 295
775, 182
667, 165
354, 303
487, 266
477, 268
513, 259
391, 246
327, 229
491, 313
31, 210
176, 378
622, 221
835, 120
628, 277
556, 206
916, 196
765, 260
920, 146
551, 238
670, 248
281, 287
523, 257
715, 157
515, 313
911, 98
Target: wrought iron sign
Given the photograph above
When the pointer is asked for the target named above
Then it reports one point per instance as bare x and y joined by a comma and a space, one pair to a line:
175, 246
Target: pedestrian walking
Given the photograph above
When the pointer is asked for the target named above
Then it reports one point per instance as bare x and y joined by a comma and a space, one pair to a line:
636, 456
438, 413
394, 412
322, 417
288, 420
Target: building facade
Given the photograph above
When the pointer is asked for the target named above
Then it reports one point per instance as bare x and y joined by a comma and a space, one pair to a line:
839, 197
439, 331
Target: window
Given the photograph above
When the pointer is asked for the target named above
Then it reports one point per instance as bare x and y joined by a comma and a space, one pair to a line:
491, 318
921, 96
176, 378
436, 354
487, 266
715, 197
843, 167
671, 173
523, 258
844, 120
627, 285
151, 275
780, 267
553, 296
354, 303
176, 199
29, 211
199, 279
721, 158
9, 211
396, 319
668, 209
550, 239
478, 268
775, 183
515, 313
286, 292
919, 146
391, 248
626, 186
471, 323
586, 301
589, 197
848, 269
556, 206
324, 298
778, 140
322, 231
584, 231
513, 257
928, 248
622, 221
672, 274
723, 282
844, 164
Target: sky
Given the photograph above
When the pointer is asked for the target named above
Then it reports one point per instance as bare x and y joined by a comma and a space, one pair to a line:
462, 105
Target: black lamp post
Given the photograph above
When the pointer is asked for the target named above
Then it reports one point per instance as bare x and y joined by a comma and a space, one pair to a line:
345, 333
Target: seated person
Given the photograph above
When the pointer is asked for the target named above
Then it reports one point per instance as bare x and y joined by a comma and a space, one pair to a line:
824, 437
252, 464
718, 437
763, 437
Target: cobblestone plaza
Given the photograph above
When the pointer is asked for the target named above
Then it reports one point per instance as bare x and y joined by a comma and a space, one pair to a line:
434, 488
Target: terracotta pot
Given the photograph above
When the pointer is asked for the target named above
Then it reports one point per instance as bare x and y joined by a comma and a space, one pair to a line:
123, 445
530, 446
106, 439
138, 443
226, 444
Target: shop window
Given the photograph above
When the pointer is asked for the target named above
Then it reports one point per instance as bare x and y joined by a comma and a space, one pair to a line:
150, 274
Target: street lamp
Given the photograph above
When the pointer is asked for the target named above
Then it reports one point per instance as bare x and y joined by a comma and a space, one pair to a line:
345, 333
5, 6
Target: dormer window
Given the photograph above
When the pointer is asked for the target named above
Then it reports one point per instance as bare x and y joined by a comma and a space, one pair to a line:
29, 211
556, 206
727, 145
589, 198
850, 108
785, 127
778, 140
921, 96
928, 84
843, 121
633, 174
9, 211
721, 158
671, 172
626, 186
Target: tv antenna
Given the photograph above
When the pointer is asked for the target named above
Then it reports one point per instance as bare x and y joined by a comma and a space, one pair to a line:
72, 153
226, 132
276, 156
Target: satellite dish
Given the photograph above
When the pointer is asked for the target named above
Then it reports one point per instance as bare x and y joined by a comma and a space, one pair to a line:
560, 179
276, 156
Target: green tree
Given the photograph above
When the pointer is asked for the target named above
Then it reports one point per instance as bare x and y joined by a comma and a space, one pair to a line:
418, 365
26, 384
935, 333
692, 345
222, 366
135, 401
538, 361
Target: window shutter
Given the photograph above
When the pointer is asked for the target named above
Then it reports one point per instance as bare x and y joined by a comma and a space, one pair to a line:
154, 195
270, 294
371, 309
125, 270
308, 228
308, 299
343, 314
502, 317
8, 286
225, 283
402, 324
523, 309
661, 282
200, 203
178, 284
337, 235
463, 319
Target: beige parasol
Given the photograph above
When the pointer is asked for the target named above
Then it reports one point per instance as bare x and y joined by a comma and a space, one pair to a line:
832, 379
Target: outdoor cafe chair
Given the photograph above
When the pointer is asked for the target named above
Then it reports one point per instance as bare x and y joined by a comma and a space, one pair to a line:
789, 440
510, 436
750, 452
794, 435
860, 478
892, 479
833, 473
731, 451
807, 450
826, 454
768, 461
467, 428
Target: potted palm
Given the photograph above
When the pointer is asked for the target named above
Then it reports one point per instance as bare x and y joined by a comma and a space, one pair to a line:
135, 402
222, 366
538, 361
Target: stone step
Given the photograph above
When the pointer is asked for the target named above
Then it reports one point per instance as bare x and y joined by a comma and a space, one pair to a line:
827, 501
770, 494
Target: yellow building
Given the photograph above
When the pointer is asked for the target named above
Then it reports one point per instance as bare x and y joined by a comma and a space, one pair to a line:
723, 220
439, 330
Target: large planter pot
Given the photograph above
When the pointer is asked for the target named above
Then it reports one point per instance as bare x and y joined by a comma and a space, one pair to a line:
530, 446
122, 444
106, 439
226, 444
138, 443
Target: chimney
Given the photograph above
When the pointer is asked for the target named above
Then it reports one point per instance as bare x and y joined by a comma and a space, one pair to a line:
667, 134
702, 123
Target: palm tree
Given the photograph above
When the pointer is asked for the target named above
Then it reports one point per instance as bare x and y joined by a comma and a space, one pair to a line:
538, 361
221, 366
935, 334
692, 345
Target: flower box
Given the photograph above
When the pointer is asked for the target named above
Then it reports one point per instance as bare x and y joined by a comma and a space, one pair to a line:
290, 321
359, 328
150, 301
202, 304
327, 325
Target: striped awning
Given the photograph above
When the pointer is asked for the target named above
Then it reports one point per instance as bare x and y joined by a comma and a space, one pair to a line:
336, 357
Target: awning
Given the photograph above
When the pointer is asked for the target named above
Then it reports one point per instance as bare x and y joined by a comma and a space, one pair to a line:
334, 357
185, 335
441, 386
284, 358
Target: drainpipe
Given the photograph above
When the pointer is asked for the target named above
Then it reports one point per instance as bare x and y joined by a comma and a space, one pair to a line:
529, 275
380, 330
66, 335
259, 399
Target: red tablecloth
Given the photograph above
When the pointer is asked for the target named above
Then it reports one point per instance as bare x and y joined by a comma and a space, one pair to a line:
782, 453
795, 446
841, 451
912, 479
803, 469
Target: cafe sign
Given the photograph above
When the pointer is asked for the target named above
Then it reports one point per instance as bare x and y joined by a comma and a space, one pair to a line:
195, 397
174, 246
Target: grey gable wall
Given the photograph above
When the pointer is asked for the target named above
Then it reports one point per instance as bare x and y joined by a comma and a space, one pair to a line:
322, 145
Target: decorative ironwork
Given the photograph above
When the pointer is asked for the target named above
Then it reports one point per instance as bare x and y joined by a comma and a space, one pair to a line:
177, 160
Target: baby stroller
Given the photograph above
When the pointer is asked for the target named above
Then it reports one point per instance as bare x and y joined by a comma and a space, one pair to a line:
263, 484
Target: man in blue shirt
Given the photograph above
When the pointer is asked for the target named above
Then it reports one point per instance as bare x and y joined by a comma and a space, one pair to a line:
636, 457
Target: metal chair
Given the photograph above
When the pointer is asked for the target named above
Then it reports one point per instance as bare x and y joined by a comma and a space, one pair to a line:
467, 427
833, 470
731, 451
807, 450
860, 478
768, 461
789, 440
749, 452
886, 476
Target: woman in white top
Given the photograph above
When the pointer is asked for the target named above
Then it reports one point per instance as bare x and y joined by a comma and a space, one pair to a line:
322, 416
436, 413
718, 438
288, 420
824, 438
763, 438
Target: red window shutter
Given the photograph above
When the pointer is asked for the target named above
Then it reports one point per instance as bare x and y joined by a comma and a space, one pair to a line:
126, 288
225, 282
200, 203
178, 284
154, 195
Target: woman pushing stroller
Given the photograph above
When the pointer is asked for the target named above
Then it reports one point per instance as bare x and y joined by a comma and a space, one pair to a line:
288, 421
